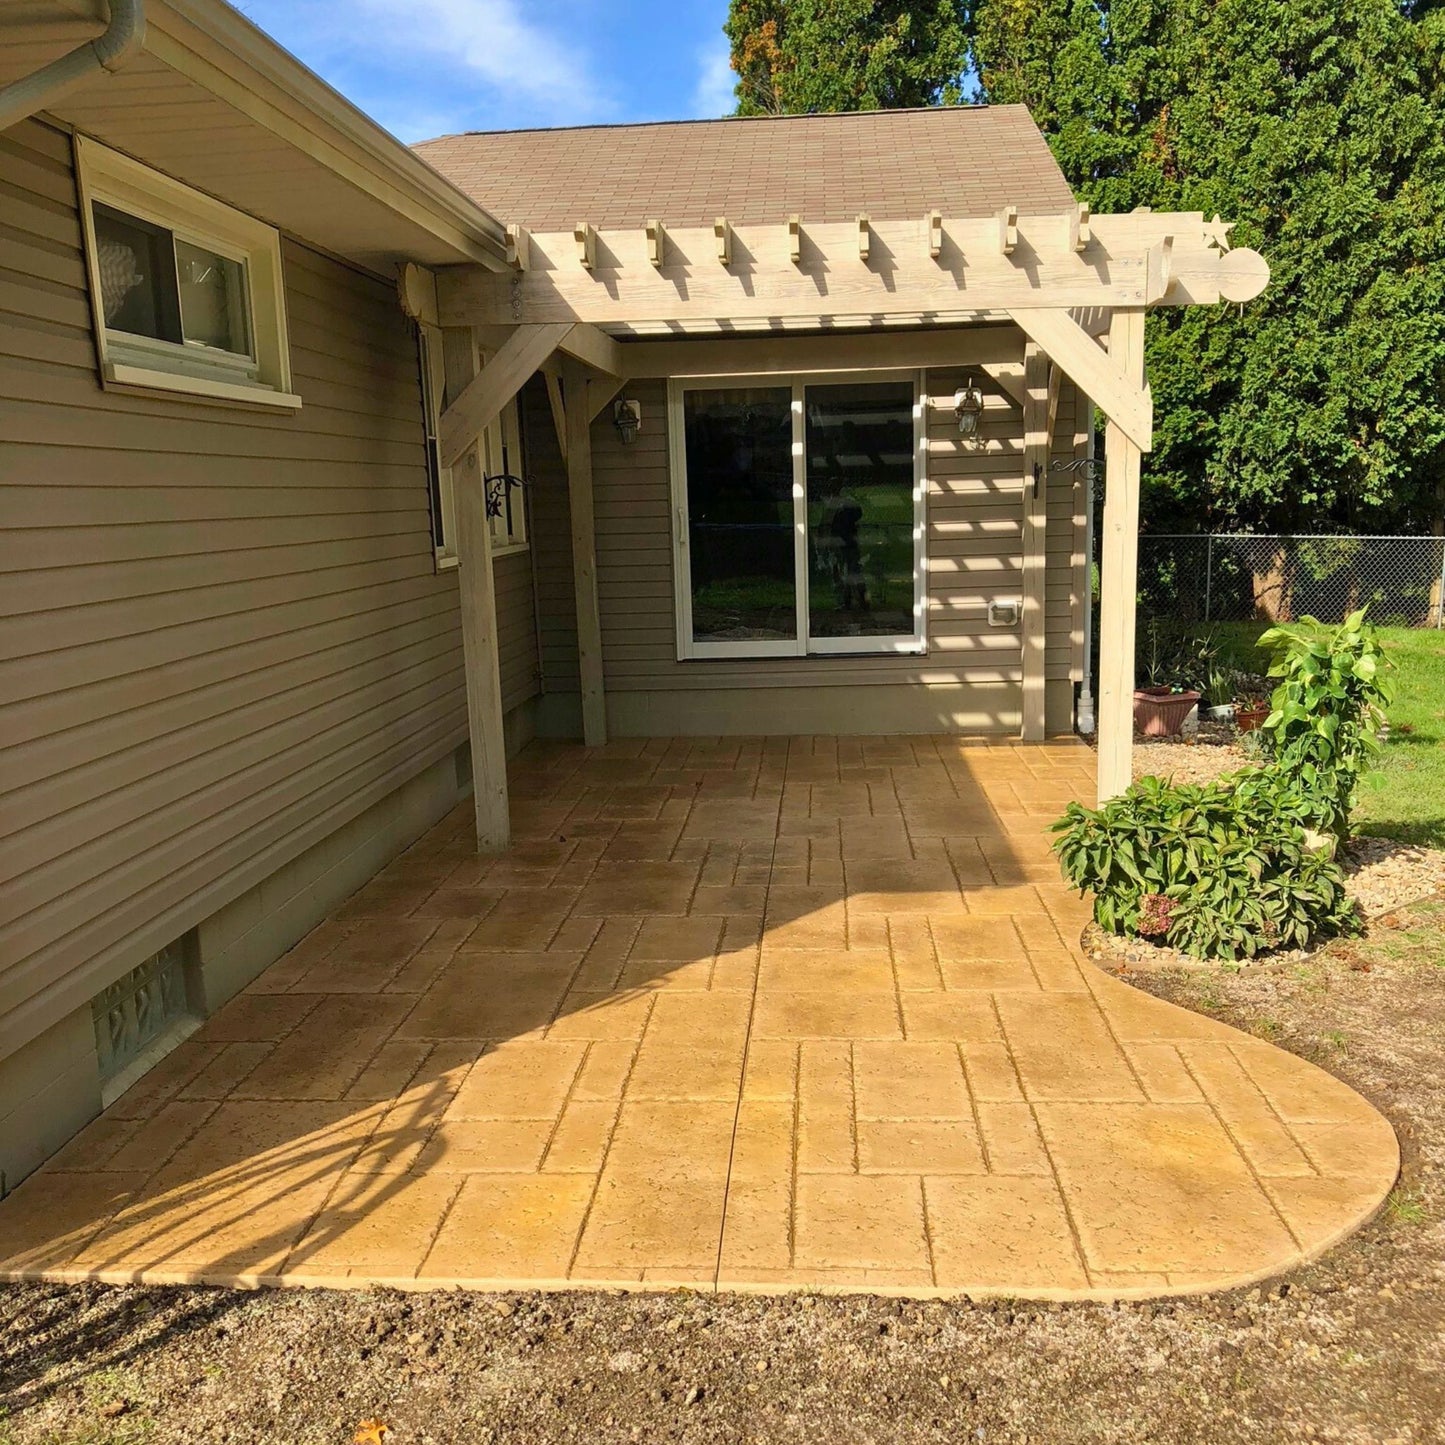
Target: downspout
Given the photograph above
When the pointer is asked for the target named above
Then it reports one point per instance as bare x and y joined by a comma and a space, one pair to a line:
109, 51
1085, 721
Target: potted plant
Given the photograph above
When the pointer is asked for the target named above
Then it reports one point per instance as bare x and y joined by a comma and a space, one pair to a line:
1218, 703
1251, 706
1161, 708
1167, 697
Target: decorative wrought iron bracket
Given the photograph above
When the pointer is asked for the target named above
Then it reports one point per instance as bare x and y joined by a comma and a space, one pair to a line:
496, 488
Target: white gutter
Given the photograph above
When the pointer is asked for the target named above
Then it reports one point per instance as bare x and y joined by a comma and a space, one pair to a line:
109, 51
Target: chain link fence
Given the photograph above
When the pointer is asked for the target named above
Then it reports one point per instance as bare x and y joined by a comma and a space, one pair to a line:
1237, 577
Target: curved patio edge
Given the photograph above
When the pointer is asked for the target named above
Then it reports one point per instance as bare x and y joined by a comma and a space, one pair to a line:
1236, 1162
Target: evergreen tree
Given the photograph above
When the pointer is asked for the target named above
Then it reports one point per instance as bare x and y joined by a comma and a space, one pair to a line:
1317, 125
1320, 127
830, 55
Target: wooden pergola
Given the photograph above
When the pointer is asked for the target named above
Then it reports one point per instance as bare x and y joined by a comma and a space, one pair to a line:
593, 309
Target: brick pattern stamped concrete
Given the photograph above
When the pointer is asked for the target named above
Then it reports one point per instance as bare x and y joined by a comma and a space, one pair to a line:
735, 1014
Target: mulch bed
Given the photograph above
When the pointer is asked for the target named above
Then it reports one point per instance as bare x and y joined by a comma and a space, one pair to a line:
1381, 874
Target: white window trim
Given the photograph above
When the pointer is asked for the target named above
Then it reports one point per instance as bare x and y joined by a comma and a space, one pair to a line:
506, 432
689, 648
429, 357
507, 427
116, 180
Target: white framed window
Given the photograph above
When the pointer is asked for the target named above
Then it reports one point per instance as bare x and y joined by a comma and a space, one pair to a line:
186, 292
798, 514
501, 450
439, 478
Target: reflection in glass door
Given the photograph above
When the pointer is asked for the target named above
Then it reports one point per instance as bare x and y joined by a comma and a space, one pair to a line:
860, 464
740, 526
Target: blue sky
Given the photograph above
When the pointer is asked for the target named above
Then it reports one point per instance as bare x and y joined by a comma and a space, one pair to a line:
429, 67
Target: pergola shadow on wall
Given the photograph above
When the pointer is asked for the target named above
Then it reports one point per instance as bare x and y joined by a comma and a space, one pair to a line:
1033, 299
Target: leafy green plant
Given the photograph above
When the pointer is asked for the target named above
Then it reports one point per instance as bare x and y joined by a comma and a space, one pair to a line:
1326, 712
1219, 870
1181, 661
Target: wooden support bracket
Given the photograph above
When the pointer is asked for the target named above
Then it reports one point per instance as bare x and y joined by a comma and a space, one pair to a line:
863, 235
494, 386
1096, 373
935, 234
558, 408
723, 231
1080, 231
795, 240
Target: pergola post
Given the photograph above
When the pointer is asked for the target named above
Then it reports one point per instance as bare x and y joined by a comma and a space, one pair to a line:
1119, 570
1035, 526
479, 612
584, 551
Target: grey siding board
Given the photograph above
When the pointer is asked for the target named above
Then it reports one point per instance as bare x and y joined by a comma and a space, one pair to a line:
974, 543
516, 629
224, 634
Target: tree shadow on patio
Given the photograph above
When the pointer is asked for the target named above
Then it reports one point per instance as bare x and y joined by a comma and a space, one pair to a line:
429, 1085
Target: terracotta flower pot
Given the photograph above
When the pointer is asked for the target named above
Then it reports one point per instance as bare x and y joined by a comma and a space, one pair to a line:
1160, 713
1247, 719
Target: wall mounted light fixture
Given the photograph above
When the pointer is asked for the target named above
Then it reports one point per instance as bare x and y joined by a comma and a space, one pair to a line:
968, 409
627, 418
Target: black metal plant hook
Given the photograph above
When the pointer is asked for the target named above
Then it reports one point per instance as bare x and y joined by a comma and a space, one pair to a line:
496, 487
1089, 466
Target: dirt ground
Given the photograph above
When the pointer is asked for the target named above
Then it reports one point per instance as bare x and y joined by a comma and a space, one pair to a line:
1350, 1349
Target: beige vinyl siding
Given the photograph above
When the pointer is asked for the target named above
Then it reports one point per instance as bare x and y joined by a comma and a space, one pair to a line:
974, 541
224, 632
550, 524
516, 629
1064, 543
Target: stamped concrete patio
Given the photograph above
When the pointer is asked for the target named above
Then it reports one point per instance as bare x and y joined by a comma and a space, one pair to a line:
758, 1014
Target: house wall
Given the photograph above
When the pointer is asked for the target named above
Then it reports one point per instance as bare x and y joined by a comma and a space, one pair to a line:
231, 682
970, 680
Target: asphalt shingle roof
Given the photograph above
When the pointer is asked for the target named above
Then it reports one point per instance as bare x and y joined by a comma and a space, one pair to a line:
962, 160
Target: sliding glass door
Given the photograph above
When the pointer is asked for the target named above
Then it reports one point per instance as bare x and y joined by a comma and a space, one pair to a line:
799, 516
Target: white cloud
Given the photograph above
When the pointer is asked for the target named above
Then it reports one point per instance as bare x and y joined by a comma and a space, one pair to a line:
713, 94
529, 73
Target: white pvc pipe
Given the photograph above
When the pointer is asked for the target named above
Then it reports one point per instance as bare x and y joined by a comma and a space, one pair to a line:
108, 51
1084, 722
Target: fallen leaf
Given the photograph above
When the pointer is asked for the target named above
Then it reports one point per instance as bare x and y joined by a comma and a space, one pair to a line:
370, 1432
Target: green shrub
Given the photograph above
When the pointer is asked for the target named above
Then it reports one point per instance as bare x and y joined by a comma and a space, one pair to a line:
1244, 865
1326, 712
1218, 870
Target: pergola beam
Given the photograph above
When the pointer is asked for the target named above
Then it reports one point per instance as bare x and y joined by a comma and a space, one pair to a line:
622, 278
848, 351
1119, 572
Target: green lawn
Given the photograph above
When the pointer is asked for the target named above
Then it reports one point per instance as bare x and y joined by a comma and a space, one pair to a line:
1405, 797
